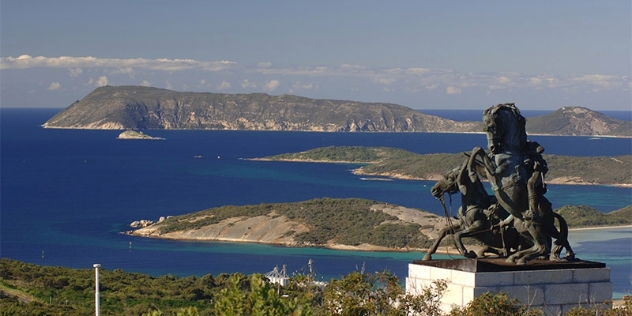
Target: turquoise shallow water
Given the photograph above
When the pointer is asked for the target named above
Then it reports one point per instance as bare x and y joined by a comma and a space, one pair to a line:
612, 246
67, 194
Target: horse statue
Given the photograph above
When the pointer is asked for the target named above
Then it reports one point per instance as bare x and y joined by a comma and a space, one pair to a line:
515, 170
479, 217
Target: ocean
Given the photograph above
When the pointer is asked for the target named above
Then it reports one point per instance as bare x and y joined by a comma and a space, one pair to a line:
67, 194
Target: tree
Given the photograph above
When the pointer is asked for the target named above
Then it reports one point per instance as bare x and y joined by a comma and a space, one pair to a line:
262, 299
379, 294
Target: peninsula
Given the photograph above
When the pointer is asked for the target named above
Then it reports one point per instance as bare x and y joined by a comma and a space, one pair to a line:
137, 107
350, 224
401, 164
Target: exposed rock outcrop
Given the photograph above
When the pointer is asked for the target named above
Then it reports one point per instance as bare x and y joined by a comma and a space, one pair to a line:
137, 135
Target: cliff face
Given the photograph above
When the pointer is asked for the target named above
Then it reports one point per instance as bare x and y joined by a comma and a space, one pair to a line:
152, 108
578, 121
135, 107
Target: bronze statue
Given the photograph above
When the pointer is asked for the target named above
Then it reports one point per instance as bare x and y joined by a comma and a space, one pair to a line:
515, 169
478, 217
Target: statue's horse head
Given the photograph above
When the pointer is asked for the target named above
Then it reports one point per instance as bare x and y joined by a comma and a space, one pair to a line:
447, 184
505, 128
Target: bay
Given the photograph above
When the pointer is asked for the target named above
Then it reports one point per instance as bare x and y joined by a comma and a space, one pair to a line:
66, 194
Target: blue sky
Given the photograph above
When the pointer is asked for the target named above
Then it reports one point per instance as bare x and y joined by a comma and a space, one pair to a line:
421, 54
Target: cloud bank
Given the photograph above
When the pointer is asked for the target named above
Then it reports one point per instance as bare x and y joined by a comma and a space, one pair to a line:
351, 81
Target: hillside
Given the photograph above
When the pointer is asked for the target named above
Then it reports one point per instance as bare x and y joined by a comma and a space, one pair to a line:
578, 121
399, 163
334, 223
354, 224
138, 107
586, 216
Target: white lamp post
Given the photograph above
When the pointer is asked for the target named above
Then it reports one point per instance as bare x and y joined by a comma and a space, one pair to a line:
97, 304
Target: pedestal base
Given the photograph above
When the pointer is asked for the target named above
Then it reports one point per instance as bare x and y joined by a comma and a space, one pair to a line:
555, 287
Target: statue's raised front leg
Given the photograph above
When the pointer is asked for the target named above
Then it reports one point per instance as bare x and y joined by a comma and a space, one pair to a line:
448, 230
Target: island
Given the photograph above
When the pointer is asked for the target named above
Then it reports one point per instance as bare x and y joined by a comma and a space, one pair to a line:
348, 224
131, 134
137, 107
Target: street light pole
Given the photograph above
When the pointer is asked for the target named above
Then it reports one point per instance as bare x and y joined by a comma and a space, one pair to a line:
97, 304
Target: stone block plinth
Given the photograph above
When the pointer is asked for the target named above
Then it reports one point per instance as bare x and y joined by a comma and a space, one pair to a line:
555, 287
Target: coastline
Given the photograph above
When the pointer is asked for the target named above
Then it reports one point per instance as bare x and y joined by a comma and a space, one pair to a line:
433, 177
445, 250
599, 227
399, 176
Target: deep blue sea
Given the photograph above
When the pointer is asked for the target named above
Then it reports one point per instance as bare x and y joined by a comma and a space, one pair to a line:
66, 195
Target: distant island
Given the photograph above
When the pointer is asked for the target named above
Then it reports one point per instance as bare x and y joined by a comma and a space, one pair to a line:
136, 107
402, 164
129, 134
350, 224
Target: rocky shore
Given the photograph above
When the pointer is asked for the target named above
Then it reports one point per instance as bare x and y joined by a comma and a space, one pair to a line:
130, 134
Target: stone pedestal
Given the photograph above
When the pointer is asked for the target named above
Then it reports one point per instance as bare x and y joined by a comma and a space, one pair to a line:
555, 287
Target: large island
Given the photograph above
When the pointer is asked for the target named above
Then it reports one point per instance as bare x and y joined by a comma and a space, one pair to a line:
136, 107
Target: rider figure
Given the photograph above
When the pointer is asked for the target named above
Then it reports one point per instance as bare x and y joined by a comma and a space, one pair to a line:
536, 187
536, 166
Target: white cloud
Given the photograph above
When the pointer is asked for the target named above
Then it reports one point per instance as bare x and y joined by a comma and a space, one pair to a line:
272, 85
298, 86
74, 72
54, 86
123, 65
336, 78
535, 81
601, 81
453, 90
418, 71
123, 70
247, 84
384, 80
504, 80
411, 78
145, 83
223, 86
103, 81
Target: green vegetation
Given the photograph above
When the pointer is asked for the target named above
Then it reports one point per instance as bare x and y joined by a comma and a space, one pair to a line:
28, 289
350, 154
394, 161
592, 170
582, 216
347, 221
353, 222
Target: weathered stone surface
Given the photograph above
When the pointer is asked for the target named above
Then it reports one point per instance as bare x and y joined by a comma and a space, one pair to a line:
553, 288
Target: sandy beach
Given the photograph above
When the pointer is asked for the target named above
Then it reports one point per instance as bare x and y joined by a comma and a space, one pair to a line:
601, 228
